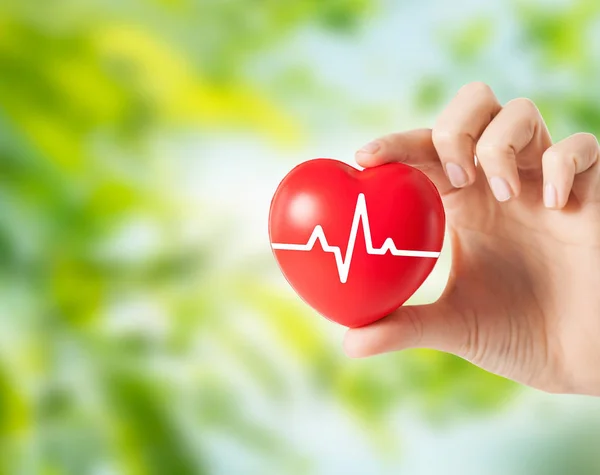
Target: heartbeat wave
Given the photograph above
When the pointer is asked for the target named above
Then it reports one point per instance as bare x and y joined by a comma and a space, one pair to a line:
343, 263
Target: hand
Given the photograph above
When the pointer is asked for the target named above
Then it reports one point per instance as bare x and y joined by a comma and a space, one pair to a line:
523, 297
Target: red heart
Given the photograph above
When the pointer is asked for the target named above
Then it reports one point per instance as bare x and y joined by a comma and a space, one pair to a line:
322, 204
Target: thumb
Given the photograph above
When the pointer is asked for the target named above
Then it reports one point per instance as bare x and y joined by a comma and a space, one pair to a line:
437, 326
414, 148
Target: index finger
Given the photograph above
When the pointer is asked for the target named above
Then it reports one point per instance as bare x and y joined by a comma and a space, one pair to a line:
414, 148
459, 127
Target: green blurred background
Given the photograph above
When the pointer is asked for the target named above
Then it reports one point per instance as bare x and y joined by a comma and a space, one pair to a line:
144, 326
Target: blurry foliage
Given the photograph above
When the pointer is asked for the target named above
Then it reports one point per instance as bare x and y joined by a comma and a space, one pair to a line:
565, 40
471, 40
560, 41
430, 94
561, 35
84, 86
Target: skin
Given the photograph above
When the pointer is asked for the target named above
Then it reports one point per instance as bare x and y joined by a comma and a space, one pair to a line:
523, 297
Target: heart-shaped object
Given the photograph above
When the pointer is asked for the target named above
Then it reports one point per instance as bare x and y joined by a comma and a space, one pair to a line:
355, 245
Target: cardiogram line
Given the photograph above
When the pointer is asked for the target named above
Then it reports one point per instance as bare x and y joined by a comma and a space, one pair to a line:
343, 263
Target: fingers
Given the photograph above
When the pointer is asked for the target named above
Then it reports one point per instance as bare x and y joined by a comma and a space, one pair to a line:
507, 141
437, 326
413, 148
458, 129
516, 138
562, 162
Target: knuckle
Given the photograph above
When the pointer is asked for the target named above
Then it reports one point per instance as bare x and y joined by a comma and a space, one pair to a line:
488, 149
557, 159
471, 348
443, 137
477, 88
589, 140
415, 324
524, 105
552, 156
578, 152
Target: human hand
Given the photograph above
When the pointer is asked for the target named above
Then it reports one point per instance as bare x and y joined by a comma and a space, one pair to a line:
523, 297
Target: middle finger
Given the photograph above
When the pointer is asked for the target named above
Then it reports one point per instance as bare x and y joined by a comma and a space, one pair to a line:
515, 139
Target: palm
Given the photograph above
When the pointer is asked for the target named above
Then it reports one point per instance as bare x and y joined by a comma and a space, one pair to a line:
516, 270
495, 253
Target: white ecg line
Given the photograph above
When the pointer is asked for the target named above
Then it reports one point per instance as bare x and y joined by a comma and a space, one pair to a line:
343, 264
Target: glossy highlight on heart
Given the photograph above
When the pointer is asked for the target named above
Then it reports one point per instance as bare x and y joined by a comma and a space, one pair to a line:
355, 245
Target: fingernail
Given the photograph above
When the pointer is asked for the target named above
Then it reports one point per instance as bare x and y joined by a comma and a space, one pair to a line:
500, 188
550, 196
370, 148
457, 175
